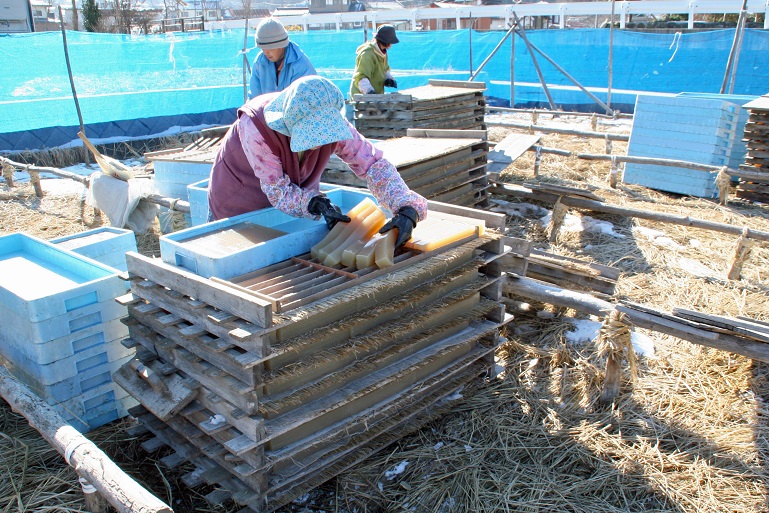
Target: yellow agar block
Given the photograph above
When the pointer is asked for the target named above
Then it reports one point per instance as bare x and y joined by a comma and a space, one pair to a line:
369, 223
352, 250
365, 257
434, 232
319, 251
384, 254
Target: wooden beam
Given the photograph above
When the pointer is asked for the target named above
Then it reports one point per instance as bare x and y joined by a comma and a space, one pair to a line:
90, 463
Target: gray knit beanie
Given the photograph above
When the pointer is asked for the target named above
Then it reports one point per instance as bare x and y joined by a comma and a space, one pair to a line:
271, 34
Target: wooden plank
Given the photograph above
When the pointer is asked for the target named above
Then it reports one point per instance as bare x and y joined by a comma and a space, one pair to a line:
243, 305
437, 133
456, 83
741, 327
493, 220
512, 146
163, 403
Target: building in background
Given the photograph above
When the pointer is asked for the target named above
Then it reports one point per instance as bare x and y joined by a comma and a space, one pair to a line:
16, 16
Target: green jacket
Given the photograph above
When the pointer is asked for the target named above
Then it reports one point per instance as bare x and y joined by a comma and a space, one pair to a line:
370, 63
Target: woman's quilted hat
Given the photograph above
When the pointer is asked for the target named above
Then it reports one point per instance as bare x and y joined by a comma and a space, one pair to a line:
309, 112
270, 34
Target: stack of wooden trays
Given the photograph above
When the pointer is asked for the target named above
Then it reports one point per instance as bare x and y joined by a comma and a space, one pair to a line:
442, 165
440, 104
269, 403
754, 173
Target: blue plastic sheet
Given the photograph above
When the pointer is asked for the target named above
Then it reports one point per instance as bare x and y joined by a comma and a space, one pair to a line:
138, 86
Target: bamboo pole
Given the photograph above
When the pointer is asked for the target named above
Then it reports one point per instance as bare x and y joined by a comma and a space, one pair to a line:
550, 294
567, 131
611, 60
493, 52
733, 50
653, 160
30, 168
90, 463
72, 80
521, 32
614, 115
597, 206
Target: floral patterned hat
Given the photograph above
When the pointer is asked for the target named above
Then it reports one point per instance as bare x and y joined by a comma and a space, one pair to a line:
309, 112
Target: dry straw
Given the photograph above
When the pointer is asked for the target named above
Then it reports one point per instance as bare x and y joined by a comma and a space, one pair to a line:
688, 435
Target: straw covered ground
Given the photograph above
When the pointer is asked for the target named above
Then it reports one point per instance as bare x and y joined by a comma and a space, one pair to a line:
689, 431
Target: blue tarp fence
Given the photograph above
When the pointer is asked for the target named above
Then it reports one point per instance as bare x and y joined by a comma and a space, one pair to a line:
142, 86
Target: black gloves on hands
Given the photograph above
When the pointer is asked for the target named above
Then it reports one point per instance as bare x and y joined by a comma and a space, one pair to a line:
405, 221
321, 205
390, 82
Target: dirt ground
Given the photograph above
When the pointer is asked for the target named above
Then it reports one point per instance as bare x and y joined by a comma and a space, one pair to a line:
688, 432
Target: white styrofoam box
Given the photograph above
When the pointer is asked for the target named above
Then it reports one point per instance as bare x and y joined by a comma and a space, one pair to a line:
197, 194
200, 249
39, 280
48, 351
96, 407
69, 388
90, 316
107, 245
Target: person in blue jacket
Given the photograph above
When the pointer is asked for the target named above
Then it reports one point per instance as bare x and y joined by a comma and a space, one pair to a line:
280, 61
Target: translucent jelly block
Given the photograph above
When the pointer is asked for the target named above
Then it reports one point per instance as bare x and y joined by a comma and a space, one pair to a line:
374, 220
384, 254
434, 232
365, 256
341, 231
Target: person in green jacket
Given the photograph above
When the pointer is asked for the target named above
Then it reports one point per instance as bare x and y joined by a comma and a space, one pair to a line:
372, 72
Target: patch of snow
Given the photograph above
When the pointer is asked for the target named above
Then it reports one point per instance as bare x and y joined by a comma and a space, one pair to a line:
468, 448
542, 314
643, 345
575, 224
438, 446
657, 238
584, 331
396, 470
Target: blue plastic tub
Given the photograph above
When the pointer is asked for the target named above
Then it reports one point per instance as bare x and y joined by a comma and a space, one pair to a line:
39, 280
201, 250
107, 245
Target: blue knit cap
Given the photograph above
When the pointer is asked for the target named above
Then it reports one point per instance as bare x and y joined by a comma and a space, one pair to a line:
309, 112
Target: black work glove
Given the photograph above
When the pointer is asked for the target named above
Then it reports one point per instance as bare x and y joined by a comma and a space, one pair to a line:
321, 205
405, 221
390, 82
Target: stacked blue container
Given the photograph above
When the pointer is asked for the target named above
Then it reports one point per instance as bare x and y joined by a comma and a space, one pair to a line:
61, 332
107, 245
700, 130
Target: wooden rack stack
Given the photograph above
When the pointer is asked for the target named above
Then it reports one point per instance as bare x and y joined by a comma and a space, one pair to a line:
754, 173
269, 405
440, 104
442, 165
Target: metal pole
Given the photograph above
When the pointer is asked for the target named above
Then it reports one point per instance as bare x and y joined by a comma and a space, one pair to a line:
72, 80
245, 58
522, 33
611, 60
512, 71
470, 32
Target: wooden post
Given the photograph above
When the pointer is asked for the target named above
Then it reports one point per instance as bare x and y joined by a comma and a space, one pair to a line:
612, 380
537, 159
34, 178
8, 174
742, 249
613, 173
608, 145
556, 221
593, 122
94, 502
117, 487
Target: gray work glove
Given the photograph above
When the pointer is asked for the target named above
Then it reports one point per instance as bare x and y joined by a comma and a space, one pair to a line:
321, 205
405, 221
390, 82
